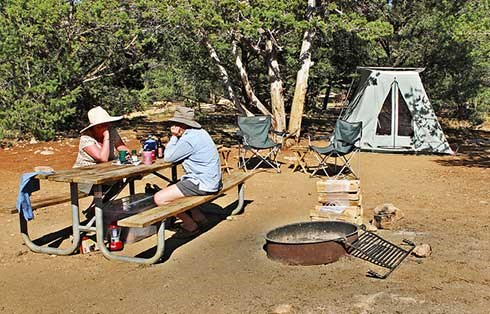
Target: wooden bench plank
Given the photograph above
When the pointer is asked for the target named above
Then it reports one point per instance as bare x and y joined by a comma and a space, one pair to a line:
157, 214
45, 202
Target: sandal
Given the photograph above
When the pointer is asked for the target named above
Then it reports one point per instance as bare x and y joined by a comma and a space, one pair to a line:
181, 233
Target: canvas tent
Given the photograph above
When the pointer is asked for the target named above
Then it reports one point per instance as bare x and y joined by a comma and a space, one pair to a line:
395, 111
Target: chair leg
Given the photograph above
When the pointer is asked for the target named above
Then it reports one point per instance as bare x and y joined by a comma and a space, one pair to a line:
358, 164
347, 165
242, 158
270, 159
322, 165
275, 153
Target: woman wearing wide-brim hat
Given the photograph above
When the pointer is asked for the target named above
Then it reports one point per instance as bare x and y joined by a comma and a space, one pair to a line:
99, 141
195, 148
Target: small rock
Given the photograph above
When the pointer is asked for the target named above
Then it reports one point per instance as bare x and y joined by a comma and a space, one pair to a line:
371, 227
386, 209
422, 250
33, 141
386, 216
46, 152
282, 308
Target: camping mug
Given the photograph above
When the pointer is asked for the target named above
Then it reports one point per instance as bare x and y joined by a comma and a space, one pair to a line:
147, 159
123, 156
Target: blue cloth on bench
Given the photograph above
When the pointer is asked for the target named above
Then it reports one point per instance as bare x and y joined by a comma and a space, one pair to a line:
28, 184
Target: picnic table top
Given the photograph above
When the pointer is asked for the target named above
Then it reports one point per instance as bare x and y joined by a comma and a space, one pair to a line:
104, 172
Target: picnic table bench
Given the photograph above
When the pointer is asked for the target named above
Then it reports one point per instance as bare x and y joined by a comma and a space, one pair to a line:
157, 214
44, 202
107, 173
160, 213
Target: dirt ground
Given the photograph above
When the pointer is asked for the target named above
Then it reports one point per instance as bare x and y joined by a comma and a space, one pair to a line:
445, 199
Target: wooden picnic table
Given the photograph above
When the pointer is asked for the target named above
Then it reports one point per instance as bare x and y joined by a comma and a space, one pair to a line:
97, 175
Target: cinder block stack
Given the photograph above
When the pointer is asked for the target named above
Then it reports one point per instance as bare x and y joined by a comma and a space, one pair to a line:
338, 200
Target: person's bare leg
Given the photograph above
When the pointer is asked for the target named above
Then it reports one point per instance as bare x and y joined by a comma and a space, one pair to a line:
167, 196
198, 216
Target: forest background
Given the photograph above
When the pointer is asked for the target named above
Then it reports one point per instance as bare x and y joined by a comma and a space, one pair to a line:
59, 58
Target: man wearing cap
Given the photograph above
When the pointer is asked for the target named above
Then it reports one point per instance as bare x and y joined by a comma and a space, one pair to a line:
98, 141
194, 147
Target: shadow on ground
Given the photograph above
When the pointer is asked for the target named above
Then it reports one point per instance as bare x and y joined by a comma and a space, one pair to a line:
472, 147
215, 215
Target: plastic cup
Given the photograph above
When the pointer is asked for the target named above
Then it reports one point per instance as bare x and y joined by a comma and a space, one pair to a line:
147, 158
123, 156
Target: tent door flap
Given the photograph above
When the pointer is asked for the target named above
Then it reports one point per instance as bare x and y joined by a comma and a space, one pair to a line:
394, 124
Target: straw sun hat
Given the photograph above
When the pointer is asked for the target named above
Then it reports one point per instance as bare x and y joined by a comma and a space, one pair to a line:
97, 116
186, 116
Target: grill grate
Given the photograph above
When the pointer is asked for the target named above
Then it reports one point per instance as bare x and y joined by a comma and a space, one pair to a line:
376, 250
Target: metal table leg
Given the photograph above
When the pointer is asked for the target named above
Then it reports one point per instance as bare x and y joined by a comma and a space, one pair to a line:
75, 227
174, 174
99, 224
131, 187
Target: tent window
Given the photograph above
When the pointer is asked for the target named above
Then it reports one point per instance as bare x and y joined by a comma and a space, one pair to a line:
404, 117
384, 117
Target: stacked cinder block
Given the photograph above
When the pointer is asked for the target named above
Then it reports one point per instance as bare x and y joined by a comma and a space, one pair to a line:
338, 200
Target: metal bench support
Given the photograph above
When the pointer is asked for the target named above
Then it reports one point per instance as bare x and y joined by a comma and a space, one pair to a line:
99, 223
75, 228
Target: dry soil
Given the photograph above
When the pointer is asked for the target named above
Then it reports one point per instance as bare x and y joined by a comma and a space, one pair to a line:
445, 200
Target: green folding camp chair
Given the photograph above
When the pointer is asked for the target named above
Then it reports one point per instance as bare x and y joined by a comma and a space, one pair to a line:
344, 144
254, 137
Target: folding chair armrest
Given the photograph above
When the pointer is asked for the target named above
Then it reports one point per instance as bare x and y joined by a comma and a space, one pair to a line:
316, 138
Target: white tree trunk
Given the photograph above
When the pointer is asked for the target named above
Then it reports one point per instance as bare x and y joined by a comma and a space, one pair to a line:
225, 78
277, 99
298, 104
246, 83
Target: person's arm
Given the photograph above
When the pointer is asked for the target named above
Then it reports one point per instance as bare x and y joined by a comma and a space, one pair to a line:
120, 145
177, 149
99, 154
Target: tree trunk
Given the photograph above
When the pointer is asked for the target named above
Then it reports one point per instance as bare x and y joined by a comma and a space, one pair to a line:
226, 79
327, 97
246, 83
298, 104
277, 99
